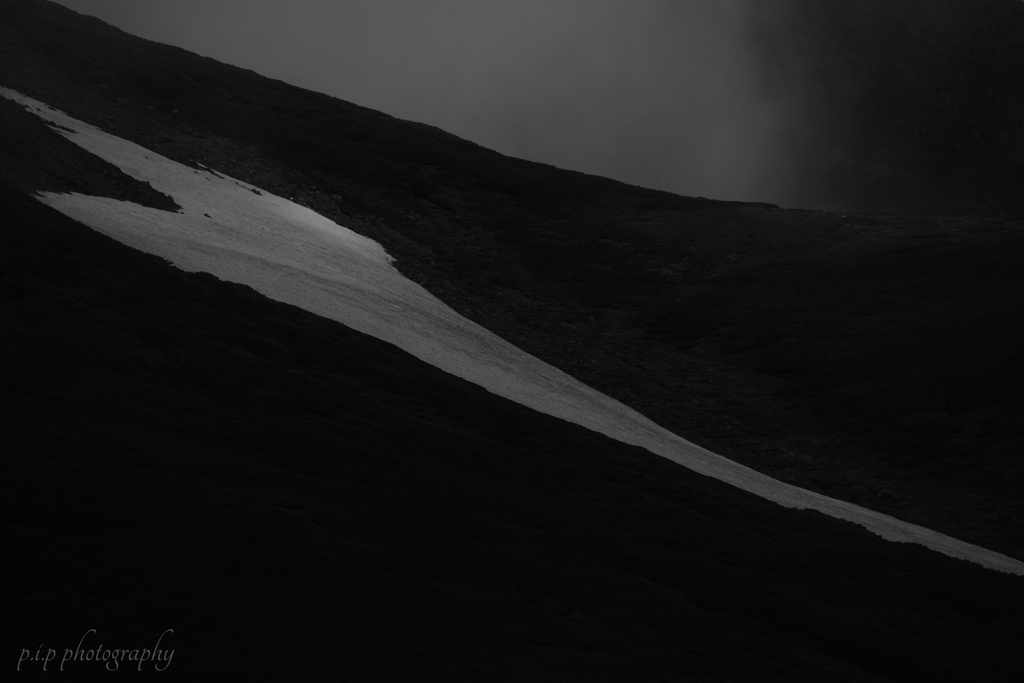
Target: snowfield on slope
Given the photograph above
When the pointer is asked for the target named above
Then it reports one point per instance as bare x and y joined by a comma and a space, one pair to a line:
292, 254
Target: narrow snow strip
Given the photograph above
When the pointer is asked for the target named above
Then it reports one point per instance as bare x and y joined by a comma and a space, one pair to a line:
292, 254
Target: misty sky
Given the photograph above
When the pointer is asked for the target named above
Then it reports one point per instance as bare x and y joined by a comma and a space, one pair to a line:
659, 93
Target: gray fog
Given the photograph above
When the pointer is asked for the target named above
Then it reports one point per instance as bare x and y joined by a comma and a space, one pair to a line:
659, 93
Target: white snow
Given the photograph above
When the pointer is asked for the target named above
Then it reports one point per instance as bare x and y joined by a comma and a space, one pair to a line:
292, 254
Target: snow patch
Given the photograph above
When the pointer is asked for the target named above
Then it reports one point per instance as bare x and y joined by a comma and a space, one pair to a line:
292, 254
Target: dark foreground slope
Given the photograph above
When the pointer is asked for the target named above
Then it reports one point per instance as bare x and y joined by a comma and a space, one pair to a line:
298, 500
869, 357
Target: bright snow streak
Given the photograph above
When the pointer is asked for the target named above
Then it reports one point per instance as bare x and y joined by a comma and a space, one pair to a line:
292, 254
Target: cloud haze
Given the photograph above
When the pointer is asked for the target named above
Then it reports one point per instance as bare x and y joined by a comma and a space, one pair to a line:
658, 93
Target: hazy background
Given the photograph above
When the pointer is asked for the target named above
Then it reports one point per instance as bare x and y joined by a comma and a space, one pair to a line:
659, 93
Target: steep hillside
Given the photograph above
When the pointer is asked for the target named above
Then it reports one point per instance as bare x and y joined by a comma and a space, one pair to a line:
296, 499
868, 357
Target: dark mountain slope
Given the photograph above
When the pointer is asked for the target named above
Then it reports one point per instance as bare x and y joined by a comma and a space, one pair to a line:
868, 357
297, 499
